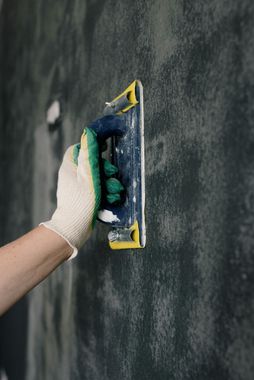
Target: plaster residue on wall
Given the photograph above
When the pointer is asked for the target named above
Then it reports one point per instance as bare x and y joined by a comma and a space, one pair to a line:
53, 112
51, 337
164, 19
3, 375
177, 309
51, 311
163, 331
158, 152
46, 167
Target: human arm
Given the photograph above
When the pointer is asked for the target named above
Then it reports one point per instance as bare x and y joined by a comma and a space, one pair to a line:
27, 261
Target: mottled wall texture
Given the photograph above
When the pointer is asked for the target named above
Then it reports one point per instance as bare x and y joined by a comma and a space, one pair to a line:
183, 308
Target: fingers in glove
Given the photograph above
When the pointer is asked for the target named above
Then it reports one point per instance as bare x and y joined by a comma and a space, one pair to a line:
108, 168
113, 198
75, 153
114, 186
88, 158
88, 171
68, 162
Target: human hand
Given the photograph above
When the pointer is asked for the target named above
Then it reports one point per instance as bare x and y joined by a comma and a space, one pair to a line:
79, 191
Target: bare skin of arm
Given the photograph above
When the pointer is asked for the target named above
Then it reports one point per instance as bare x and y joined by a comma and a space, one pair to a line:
27, 261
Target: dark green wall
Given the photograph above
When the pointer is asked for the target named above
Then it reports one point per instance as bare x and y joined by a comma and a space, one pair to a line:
183, 308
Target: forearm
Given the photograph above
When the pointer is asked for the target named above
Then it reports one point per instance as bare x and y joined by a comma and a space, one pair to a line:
27, 261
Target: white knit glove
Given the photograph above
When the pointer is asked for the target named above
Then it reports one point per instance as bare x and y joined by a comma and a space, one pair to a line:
78, 192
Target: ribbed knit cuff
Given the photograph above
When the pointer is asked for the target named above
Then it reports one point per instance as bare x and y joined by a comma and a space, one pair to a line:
54, 229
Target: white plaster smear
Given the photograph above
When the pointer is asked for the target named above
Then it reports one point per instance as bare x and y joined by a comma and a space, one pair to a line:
3, 375
107, 216
53, 112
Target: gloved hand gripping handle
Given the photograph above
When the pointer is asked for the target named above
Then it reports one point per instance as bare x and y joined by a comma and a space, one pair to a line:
107, 127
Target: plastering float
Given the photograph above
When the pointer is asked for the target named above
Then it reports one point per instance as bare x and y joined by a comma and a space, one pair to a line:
123, 123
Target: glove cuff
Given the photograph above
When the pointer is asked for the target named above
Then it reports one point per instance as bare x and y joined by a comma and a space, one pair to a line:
53, 228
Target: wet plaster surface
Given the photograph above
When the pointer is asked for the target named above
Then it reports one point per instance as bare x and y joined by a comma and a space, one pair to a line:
183, 308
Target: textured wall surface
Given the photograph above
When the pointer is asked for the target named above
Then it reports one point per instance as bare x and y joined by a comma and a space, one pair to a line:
183, 308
